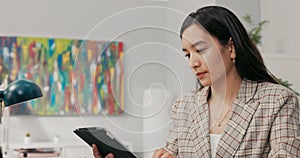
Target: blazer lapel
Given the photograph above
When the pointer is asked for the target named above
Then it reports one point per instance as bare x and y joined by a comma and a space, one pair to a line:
200, 126
243, 110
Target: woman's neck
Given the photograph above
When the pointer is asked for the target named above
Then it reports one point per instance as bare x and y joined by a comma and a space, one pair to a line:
225, 92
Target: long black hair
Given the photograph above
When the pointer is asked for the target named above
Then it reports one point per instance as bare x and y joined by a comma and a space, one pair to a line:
223, 24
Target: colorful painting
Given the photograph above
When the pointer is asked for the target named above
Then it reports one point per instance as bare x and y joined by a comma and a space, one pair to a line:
77, 76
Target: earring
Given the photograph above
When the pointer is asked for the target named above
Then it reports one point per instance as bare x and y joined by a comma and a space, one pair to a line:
233, 60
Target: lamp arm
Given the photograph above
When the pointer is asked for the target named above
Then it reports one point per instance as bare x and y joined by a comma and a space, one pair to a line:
1, 95
1, 105
1, 110
5, 132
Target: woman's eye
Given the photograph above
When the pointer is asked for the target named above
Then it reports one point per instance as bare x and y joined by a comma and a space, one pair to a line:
200, 50
187, 56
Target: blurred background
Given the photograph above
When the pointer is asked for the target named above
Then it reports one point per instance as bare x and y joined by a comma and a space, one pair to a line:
152, 59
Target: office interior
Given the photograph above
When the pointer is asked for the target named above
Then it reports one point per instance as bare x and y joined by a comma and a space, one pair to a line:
149, 31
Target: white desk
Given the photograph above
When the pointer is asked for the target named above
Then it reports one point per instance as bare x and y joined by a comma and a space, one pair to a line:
66, 149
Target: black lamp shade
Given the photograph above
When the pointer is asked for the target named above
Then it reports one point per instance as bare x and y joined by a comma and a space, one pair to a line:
20, 91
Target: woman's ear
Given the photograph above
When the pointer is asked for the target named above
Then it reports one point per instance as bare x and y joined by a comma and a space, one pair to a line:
232, 54
231, 49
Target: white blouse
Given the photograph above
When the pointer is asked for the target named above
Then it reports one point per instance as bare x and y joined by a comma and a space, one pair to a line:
214, 140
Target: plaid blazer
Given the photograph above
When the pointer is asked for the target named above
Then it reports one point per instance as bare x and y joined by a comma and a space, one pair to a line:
264, 123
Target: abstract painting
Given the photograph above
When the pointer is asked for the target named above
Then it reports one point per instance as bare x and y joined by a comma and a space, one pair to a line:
83, 77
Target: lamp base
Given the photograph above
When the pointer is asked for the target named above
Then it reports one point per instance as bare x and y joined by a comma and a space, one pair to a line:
1, 155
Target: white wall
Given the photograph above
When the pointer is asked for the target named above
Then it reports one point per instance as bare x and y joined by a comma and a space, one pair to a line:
242, 8
137, 26
280, 39
285, 67
281, 35
152, 47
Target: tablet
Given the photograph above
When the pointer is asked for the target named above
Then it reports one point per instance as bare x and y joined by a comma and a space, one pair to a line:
104, 140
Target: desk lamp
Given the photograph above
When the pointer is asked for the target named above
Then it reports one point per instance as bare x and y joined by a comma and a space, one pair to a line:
17, 92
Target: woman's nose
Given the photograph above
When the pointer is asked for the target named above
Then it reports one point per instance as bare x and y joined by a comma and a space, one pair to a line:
194, 60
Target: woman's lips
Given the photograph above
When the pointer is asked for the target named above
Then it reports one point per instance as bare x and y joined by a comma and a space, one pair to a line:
200, 74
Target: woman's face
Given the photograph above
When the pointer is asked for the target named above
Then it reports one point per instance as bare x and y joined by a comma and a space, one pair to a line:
208, 59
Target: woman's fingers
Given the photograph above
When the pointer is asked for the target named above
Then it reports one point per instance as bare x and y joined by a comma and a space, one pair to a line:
96, 152
162, 153
157, 153
110, 155
167, 155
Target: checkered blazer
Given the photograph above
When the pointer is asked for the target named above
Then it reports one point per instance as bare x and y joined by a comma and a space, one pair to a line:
264, 123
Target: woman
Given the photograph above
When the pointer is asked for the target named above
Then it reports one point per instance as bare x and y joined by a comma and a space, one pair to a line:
240, 110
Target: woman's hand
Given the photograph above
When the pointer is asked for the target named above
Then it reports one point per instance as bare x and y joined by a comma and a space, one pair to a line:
162, 153
97, 153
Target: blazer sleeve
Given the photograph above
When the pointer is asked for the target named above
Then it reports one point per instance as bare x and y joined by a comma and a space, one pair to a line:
285, 132
172, 143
